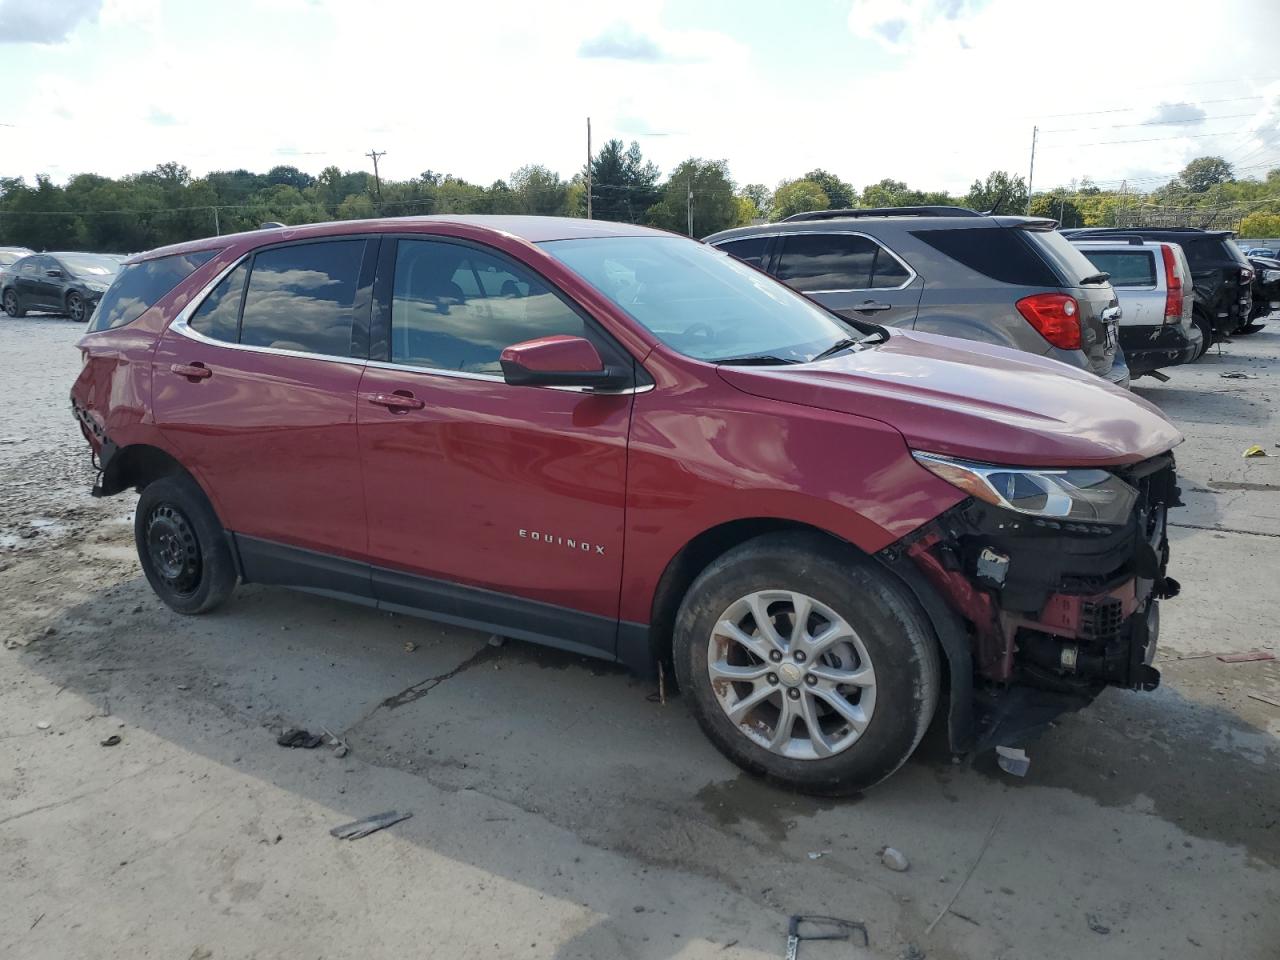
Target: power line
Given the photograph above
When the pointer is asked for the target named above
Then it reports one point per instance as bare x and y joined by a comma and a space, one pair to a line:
1094, 113
1152, 123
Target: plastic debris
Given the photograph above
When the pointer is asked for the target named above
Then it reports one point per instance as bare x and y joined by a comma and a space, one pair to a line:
1255, 451
1096, 925
1013, 760
111, 741
1263, 699
297, 737
362, 828
818, 854
43, 724
894, 859
410, 646
1238, 375
801, 928
1246, 657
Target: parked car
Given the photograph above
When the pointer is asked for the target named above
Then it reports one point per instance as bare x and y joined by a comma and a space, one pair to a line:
630, 445
1153, 281
1219, 270
1265, 292
1266, 252
1011, 281
66, 283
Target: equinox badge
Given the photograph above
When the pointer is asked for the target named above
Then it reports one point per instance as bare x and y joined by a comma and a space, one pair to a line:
551, 538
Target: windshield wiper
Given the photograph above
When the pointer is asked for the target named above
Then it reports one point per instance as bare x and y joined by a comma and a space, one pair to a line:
1095, 278
880, 336
757, 359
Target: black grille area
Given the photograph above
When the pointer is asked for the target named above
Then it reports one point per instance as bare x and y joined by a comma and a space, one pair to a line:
1101, 620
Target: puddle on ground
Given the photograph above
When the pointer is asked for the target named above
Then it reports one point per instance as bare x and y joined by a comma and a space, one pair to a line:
774, 811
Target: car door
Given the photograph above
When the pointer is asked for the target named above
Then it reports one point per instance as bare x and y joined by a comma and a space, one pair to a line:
255, 385
32, 283
488, 503
851, 274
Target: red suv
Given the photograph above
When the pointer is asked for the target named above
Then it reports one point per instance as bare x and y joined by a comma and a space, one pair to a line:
627, 444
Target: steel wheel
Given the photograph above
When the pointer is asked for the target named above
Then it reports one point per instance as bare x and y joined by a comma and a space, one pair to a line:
791, 674
11, 303
173, 550
75, 307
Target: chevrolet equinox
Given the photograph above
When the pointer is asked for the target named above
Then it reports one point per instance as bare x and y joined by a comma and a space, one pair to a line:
627, 444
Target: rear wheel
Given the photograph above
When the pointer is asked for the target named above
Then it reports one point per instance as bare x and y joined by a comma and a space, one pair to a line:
11, 306
75, 307
182, 546
807, 664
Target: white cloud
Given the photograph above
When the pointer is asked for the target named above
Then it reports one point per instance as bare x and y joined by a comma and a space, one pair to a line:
44, 21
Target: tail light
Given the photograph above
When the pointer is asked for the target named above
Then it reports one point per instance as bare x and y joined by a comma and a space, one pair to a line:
1056, 316
1173, 297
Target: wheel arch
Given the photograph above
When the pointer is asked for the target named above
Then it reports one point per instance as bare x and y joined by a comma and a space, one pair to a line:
643, 647
138, 465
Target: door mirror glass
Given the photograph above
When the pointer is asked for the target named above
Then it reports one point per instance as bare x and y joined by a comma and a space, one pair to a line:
559, 361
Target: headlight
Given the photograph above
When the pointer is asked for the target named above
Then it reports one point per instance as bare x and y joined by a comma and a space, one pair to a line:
1091, 496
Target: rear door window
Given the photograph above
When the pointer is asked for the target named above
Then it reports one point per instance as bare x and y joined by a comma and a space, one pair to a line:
139, 286
749, 249
1128, 268
997, 253
302, 298
826, 262
888, 271
219, 316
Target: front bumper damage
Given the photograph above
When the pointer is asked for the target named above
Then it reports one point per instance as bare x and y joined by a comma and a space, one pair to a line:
1052, 611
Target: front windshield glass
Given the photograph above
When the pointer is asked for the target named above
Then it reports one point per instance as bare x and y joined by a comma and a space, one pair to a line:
700, 300
86, 265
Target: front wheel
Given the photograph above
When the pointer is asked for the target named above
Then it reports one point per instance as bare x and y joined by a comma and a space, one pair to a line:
182, 546
75, 307
11, 306
807, 664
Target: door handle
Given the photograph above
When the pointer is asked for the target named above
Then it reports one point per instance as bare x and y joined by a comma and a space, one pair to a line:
872, 306
398, 401
192, 371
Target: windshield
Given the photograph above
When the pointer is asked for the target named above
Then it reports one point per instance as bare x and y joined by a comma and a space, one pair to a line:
87, 265
1073, 265
701, 301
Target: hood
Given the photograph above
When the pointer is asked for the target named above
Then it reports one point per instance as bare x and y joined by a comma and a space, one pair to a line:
974, 401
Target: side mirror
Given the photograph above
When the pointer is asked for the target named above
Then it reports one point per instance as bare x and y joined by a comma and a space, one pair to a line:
559, 361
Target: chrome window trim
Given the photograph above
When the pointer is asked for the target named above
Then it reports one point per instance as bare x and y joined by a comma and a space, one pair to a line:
181, 325
911, 273
495, 378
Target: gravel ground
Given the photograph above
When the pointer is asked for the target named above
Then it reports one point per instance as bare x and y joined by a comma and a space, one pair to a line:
558, 811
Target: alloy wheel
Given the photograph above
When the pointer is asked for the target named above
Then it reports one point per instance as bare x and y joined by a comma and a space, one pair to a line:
11, 303
75, 307
791, 674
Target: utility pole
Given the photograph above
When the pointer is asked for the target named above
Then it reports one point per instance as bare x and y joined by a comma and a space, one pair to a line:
588, 168
217, 229
689, 203
377, 181
1031, 174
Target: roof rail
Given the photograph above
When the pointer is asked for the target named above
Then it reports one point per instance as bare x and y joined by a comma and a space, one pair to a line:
1135, 231
935, 211
1130, 238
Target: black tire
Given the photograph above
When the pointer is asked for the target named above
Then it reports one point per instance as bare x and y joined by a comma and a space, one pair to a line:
76, 307
1202, 324
11, 306
182, 546
889, 624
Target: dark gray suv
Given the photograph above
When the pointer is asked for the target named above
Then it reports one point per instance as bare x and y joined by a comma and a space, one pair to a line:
1012, 281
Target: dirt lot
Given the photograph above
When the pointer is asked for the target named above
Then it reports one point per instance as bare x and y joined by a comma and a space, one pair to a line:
558, 811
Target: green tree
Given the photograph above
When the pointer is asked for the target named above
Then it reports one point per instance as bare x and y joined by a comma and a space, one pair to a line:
840, 195
887, 193
623, 184
1204, 172
539, 190
1059, 206
713, 204
797, 196
760, 195
1258, 225
1001, 191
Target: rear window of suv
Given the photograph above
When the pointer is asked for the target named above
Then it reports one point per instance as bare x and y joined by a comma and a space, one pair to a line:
1128, 268
1001, 254
139, 285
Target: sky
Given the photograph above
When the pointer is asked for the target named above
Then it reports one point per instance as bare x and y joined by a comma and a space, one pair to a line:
932, 92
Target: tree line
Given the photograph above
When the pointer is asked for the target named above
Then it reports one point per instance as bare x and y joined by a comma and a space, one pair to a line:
169, 204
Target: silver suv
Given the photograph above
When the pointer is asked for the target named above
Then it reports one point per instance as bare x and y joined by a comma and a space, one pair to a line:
1153, 281
1011, 281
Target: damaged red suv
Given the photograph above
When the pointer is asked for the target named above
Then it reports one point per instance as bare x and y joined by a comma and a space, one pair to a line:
630, 445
